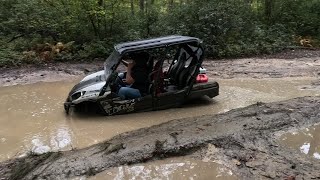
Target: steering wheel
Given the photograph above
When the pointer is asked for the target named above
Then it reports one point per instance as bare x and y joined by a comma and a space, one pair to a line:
119, 81
116, 81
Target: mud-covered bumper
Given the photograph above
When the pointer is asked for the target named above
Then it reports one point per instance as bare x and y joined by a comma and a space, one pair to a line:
210, 89
67, 105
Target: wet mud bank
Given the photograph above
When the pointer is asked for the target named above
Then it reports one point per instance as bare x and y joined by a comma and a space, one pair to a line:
244, 139
290, 63
50, 72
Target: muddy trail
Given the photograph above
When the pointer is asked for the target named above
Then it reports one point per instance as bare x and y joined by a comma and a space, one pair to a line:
246, 139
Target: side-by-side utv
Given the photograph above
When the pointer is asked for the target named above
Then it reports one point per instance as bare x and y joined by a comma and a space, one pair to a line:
174, 63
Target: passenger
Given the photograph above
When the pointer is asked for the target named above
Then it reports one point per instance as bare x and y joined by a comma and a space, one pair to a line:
136, 77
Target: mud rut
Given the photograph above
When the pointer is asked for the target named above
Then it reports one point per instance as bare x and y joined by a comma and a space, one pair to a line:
244, 139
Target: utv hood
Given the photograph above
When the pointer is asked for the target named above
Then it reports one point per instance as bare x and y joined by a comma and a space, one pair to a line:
93, 81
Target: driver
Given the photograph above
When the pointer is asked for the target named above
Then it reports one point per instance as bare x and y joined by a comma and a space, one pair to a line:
136, 77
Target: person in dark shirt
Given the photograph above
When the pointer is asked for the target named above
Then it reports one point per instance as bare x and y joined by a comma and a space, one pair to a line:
136, 78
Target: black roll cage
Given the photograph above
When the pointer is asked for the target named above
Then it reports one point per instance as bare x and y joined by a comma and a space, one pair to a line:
181, 41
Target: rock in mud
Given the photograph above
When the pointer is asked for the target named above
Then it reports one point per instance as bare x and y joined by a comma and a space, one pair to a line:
244, 139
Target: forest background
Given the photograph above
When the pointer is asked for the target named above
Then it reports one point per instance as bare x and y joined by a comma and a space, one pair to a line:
33, 31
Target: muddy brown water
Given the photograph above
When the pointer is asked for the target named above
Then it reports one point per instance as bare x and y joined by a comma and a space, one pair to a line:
179, 168
306, 141
172, 168
32, 118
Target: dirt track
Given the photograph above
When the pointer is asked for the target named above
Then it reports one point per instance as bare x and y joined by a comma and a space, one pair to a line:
292, 63
244, 139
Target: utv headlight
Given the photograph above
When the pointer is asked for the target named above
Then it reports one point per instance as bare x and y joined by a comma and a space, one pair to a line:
77, 95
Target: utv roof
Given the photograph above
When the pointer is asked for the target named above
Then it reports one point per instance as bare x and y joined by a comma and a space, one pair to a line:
154, 43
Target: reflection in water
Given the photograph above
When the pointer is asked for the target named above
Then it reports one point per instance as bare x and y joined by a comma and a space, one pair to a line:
38, 146
316, 155
173, 168
60, 139
305, 148
32, 116
306, 140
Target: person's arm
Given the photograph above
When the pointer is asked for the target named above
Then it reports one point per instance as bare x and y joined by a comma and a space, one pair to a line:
125, 62
129, 78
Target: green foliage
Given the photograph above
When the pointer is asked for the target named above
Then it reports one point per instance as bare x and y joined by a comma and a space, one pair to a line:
8, 55
8, 58
92, 50
229, 28
301, 16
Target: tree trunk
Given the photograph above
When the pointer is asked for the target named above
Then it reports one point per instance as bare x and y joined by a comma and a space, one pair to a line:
141, 5
91, 19
112, 20
132, 7
268, 5
170, 5
146, 6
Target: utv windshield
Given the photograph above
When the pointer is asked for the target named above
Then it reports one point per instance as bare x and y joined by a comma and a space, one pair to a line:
110, 63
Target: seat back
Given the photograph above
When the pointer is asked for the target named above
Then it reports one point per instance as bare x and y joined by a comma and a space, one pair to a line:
187, 74
176, 68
